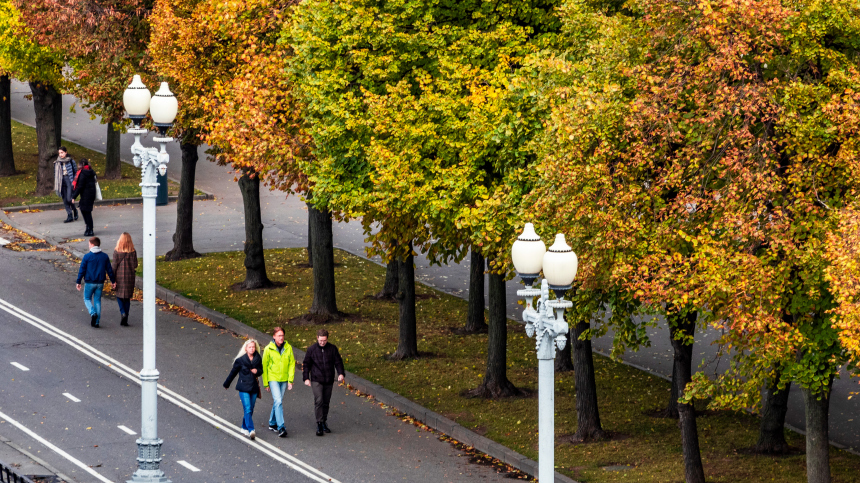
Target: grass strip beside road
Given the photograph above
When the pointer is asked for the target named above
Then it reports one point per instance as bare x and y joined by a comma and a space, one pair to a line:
456, 363
20, 189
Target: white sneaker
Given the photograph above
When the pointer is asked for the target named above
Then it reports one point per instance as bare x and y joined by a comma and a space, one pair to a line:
246, 432
252, 434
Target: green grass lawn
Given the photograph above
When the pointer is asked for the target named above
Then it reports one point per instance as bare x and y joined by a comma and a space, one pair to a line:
652, 446
20, 189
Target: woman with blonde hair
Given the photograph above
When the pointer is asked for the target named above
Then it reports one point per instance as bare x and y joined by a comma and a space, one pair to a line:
248, 365
125, 265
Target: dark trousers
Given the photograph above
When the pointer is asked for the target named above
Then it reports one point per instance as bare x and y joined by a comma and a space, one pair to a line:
124, 305
68, 202
88, 219
322, 396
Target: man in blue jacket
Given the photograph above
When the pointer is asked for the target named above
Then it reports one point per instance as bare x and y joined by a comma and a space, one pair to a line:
93, 268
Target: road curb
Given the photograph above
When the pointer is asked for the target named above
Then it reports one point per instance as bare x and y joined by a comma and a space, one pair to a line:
116, 201
430, 418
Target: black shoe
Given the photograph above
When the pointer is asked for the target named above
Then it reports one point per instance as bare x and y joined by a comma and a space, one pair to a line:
89, 233
282, 433
76, 215
93, 320
69, 219
273, 427
325, 427
124, 321
319, 429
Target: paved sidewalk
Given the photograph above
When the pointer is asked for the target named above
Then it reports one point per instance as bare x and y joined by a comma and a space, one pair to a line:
219, 226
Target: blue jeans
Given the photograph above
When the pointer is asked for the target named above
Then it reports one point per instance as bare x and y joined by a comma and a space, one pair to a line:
276, 417
124, 305
93, 299
248, 401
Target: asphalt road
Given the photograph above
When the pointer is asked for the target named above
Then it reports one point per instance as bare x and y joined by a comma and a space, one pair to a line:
219, 226
80, 387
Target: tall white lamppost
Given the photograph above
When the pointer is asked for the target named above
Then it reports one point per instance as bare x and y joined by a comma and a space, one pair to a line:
162, 107
545, 322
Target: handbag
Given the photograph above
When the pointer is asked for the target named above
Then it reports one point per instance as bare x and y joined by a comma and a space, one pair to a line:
98, 192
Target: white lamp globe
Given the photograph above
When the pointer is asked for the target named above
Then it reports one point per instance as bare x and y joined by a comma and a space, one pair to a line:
136, 98
528, 251
560, 263
164, 106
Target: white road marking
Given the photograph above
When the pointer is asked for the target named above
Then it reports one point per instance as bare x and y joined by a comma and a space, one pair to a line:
20, 366
73, 398
55, 449
127, 430
188, 465
208, 416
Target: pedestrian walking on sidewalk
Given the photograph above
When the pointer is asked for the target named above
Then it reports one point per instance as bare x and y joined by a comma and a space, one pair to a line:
279, 369
94, 266
248, 365
65, 170
322, 360
125, 265
85, 186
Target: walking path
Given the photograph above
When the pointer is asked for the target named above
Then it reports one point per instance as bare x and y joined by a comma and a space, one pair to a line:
219, 226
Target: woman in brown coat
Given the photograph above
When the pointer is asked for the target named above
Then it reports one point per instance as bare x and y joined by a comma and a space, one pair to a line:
125, 264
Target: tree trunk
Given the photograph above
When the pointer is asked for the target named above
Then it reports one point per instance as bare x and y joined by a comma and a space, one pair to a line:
7, 158
563, 357
392, 284
817, 435
771, 435
587, 413
407, 346
310, 237
671, 410
496, 383
475, 323
48, 104
324, 305
680, 330
113, 166
255, 260
183, 243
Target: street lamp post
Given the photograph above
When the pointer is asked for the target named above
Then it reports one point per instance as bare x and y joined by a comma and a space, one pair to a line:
545, 322
162, 107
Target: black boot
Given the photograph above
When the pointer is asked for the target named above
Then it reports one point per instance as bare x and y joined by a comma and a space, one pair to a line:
325, 427
319, 429
69, 219
76, 215
124, 321
93, 320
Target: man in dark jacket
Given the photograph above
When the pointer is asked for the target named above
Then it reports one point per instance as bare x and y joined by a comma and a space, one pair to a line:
85, 186
322, 360
93, 268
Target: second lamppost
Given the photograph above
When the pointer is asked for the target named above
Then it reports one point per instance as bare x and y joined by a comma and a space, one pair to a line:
545, 322
163, 108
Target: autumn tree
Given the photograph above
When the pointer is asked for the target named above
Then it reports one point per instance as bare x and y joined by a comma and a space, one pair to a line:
105, 43
21, 57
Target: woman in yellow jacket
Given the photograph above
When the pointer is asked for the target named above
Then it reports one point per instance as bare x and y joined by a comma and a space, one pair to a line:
279, 368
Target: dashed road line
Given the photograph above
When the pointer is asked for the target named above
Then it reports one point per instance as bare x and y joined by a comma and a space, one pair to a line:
188, 465
127, 430
72, 398
177, 399
55, 449
20, 366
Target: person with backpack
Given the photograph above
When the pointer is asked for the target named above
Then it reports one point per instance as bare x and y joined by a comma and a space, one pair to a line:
279, 368
94, 265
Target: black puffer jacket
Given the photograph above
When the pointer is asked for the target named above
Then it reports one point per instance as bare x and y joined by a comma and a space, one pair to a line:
321, 363
247, 380
86, 187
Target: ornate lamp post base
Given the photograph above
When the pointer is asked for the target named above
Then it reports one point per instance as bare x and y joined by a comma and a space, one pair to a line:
148, 463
